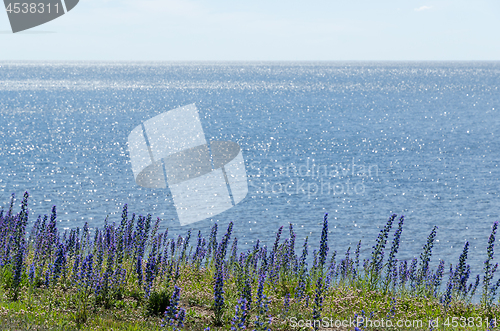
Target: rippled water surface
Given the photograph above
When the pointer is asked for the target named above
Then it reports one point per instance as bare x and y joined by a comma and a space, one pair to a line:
357, 140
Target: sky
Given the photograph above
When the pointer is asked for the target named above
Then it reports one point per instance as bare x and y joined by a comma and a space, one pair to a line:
262, 30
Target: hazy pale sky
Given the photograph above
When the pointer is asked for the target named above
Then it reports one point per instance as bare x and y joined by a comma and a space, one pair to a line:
262, 30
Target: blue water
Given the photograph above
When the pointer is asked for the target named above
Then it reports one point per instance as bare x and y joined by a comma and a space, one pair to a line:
357, 140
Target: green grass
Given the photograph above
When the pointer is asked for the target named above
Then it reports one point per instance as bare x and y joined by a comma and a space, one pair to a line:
57, 308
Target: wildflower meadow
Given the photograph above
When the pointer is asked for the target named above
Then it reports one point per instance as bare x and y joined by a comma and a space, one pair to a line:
129, 275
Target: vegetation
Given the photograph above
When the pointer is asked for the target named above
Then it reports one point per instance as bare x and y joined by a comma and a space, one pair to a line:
131, 277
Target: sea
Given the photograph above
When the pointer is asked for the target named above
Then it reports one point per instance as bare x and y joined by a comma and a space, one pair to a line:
357, 140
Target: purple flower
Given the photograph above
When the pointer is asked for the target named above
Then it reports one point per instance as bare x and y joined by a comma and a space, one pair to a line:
174, 316
272, 257
18, 267
392, 261
263, 321
59, 263
286, 304
212, 243
318, 303
378, 252
489, 270
425, 256
138, 269
438, 276
219, 294
240, 315
323, 245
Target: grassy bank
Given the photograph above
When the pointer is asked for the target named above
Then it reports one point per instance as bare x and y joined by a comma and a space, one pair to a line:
130, 276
